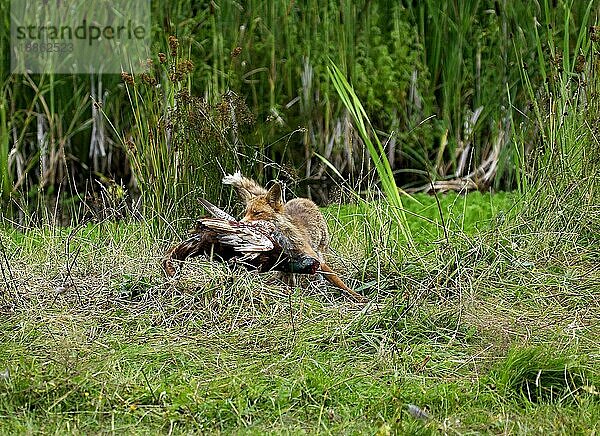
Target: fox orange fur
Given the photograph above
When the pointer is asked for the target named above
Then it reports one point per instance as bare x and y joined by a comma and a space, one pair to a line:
299, 219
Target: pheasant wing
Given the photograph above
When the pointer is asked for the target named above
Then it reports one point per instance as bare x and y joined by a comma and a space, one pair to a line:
240, 236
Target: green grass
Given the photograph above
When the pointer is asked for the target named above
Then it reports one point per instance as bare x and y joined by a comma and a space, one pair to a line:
94, 339
460, 213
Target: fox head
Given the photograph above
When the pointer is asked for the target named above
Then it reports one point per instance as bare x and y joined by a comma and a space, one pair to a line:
265, 207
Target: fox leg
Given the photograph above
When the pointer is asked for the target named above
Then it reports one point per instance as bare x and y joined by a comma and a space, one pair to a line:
334, 279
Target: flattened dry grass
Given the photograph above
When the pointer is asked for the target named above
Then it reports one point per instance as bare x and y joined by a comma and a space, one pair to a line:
472, 329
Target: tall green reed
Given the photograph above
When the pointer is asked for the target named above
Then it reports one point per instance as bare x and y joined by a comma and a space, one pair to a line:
5, 182
373, 144
445, 59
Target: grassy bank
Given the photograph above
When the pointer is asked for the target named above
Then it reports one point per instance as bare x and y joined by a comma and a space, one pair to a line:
474, 328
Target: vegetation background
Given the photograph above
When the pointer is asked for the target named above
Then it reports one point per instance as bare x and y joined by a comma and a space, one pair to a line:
484, 308
442, 83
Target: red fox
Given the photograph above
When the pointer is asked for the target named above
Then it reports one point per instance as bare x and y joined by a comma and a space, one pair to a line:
299, 219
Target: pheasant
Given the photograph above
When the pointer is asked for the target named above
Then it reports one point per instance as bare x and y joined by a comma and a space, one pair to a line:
257, 245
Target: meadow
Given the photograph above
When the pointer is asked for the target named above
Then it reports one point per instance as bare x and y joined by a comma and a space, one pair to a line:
473, 232
482, 328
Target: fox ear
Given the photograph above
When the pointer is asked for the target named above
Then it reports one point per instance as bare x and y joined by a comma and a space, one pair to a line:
274, 196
